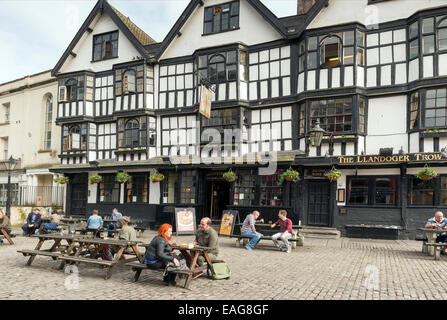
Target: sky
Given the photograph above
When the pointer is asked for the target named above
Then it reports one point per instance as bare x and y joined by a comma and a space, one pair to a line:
35, 33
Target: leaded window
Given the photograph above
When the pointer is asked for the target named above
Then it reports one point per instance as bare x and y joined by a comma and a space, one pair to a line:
74, 137
330, 52
169, 191
435, 108
105, 46
335, 115
244, 188
372, 190
48, 122
271, 193
132, 132
414, 110
421, 192
109, 189
137, 189
223, 17
188, 187
442, 34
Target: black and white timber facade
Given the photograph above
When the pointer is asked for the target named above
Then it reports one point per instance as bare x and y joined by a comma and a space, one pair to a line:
373, 73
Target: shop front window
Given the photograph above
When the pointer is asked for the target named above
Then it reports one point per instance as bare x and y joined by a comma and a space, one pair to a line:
271, 193
358, 191
137, 189
188, 187
372, 190
422, 192
109, 189
385, 191
244, 188
170, 188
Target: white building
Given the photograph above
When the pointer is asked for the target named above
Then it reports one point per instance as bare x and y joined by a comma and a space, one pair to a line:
372, 73
29, 134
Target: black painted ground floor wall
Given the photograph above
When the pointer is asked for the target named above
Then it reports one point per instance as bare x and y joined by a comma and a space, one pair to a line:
312, 201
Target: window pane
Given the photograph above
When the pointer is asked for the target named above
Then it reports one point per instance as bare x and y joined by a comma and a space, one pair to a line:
385, 191
348, 55
421, 192
358, 190
429, 44
428, 25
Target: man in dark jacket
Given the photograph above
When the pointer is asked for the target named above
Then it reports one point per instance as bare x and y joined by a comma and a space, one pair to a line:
32, 223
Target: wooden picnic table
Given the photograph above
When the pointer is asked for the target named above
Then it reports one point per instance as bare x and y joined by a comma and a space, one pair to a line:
191, 256
6, 235
56, 250
95, 248
432, 234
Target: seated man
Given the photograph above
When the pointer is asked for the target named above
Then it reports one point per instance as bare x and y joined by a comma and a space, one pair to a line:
248, 230
52, 225
32, 223
94, 223
438, 222
5, 224
285, 230
113, 225
207, 237
127, 232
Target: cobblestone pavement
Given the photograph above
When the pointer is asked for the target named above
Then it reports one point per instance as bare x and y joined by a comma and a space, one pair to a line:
322, 269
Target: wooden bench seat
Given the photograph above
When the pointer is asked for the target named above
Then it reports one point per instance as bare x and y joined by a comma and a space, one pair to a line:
139, 267
107, 263
437, 248
246, 240
40, 252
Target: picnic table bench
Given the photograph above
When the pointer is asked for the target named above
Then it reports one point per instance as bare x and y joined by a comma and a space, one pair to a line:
268, 232
4, 234
56, 250
430, 246
98, 245
191, 256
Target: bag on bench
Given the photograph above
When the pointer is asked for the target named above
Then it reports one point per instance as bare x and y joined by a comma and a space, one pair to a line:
220, 270
172, 267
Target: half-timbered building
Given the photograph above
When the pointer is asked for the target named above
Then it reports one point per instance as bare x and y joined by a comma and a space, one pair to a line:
371, 74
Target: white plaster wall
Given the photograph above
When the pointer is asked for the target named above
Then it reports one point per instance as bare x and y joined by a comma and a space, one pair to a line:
253, 30
84, 48
25, 130
387, 124
348, 11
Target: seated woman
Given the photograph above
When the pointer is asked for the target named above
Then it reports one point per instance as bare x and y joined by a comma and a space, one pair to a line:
159, 253
94, 223
52, 225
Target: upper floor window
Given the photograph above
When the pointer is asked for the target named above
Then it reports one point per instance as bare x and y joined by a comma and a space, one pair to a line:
6, 111
220, 18
435, 108
48, 121
330, 52
220, 67
334, 115
129, 82
105, 46
74, 137
442, 34
72, 89
132, 133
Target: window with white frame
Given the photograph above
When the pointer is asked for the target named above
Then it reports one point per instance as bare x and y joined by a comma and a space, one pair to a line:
179, 136
271, 129
176, 86
269, 73
104, 95
6, 111
5, 143
106, 140
48, 122
330, 51
387, 56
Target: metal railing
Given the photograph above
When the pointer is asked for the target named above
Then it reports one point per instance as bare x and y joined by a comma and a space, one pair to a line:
34, 196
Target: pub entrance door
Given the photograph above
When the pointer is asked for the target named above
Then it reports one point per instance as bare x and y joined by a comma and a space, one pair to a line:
218, 196
319, 203
78, 195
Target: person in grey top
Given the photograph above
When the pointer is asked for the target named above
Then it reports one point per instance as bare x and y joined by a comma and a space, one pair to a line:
249, 230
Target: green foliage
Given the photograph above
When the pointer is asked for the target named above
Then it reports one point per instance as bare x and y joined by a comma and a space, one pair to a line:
333, 175
122, 177
426, 174
62, 180
157, 177
94, 179
229, 176
289, 175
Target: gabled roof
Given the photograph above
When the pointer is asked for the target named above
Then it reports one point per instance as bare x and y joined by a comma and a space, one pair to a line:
282, 26
135, 35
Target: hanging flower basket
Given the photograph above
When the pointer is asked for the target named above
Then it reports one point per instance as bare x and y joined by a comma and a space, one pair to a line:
426, 174
122, 177
62, 180
157, 177
229, 176
94, 179
333, 175
289, 175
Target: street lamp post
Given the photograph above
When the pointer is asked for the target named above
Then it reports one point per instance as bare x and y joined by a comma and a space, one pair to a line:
9, 165
316, 136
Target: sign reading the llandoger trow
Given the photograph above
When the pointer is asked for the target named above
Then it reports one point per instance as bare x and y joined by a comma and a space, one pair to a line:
414, 157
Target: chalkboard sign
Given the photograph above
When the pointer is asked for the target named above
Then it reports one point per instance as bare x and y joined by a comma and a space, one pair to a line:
229, 218
185, 220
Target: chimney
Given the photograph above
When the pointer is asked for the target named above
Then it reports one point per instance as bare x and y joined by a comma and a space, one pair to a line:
305, 5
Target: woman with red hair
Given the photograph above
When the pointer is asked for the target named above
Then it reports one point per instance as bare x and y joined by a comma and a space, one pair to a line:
159, 253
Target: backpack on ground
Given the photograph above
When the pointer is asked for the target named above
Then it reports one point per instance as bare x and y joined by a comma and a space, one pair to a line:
219, 270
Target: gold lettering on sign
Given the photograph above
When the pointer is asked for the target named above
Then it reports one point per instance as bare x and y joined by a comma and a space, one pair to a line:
390, 159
